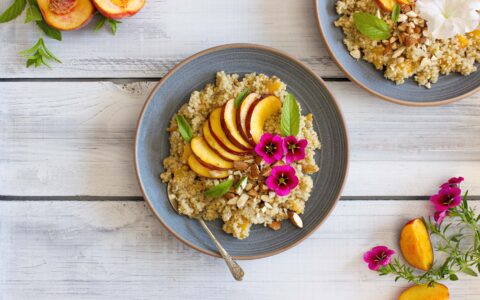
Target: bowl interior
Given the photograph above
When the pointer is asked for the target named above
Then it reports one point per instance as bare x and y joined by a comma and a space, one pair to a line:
447, 88
152, 145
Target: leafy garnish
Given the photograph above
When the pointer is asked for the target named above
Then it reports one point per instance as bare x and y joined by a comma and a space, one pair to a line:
49, 31
113, 24
220, 189
184, 128
13, 11
39, 55
290, 119
241, 97
396, 13
33, 14
242, 183
371, 26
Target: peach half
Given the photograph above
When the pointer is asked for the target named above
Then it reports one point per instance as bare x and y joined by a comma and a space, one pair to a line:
66, 14
416, 246
118, 9
425, 292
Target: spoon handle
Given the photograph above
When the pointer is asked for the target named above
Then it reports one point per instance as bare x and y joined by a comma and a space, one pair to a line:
235, 269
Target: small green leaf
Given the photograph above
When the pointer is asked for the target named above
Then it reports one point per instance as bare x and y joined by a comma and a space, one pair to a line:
113, 25
100, 24
49, 31
453, 277
184, 128
371, 26
241, 97
33, 14
242, 183
469, 271
220, 189
13, 11
290, 119
396, 13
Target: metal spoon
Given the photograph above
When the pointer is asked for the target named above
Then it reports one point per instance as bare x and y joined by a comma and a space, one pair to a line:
235, 269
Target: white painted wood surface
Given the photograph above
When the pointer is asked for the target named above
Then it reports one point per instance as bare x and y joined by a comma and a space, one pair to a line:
79, 141
117, 250
164, 32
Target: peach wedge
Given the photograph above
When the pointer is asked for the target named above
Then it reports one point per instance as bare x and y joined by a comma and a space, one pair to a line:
386, 5
425, 292
229, 125
416, 246
212, 142
242, 113
118, 9
221, 137
258, 113
207, 156
66, 14
203, 171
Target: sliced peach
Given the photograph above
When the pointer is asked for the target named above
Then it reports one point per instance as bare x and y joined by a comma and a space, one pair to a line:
212, 142
207, 155
258, 113
425, 292
217, 131
229, 125
416, 246
242, 113
203, 171
118, 9
66, 14
386, 5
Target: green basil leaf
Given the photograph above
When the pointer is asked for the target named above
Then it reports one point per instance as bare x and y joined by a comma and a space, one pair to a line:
241, 97
13, 11
33, 14
220, 189
290, 119
396, 13
184, 128
49, 31
371, 26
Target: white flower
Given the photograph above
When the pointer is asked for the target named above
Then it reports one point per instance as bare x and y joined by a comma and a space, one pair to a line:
448, 18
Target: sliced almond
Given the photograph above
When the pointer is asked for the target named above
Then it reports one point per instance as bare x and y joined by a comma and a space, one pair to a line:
254, 172
242, 200
240, 165
252, 193
295, 219
275, 225
229, 195
267, 171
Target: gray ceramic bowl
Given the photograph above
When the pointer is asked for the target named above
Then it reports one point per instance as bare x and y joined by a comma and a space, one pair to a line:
448, 88
151, 145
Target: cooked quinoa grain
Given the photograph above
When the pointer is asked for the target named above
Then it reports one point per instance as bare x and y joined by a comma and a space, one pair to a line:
255, 204
410, 51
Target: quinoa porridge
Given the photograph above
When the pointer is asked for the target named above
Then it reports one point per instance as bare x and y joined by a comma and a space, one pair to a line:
235, 162
410, 50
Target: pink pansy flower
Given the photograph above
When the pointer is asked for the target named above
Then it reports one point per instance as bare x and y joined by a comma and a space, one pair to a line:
452, 182
439, 216
270, 148
446, 198
377, 257
282, 180
294, 149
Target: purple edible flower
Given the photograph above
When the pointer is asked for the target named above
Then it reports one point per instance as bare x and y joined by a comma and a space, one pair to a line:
439, 216
270, 148
294, 149
446, 198
452, 182
377, 257
282, 180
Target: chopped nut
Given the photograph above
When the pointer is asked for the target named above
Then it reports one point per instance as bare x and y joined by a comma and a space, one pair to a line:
265, 198
249, 187
410, 41
275, 225
258, 160
295, 219
229, 195
398, 52
417, 29
355, 54
411, 14
242, 200
240, 165
271, 194
254, 172
252, 193
422, 40
402, 18
406, 8
266, 171
232, 201
267, 205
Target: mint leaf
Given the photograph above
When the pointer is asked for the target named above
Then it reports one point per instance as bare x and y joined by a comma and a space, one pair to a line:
290, 119
49, 31
33, 14
184, 128
39, 55
220, 189
396, 13
13, 11
113, 25
241, 97
371, 26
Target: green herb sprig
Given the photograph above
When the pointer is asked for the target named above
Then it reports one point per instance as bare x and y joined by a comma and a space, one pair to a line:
39, 55
113, 24
220, 189
184, 128
241, 97
290, 118
372, 26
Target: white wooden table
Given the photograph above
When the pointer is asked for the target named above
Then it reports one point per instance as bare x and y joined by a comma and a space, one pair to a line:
73, 224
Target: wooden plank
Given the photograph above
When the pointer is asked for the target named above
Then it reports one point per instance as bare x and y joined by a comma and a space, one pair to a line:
164, 32
76, 138
104, 250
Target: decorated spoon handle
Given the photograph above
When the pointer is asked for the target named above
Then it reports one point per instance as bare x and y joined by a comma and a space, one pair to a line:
235, 269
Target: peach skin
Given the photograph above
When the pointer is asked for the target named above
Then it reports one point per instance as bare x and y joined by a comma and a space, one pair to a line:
416, 246
118, 9
425, 292
66, 14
